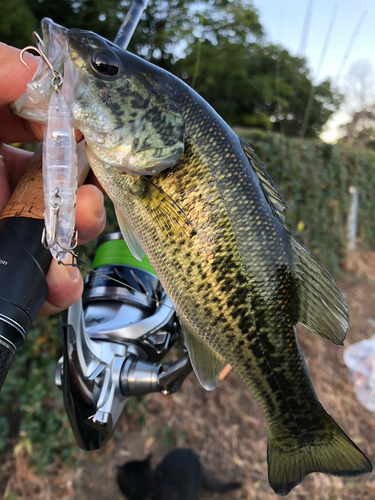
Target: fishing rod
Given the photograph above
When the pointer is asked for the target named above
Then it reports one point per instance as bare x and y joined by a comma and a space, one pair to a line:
23, 260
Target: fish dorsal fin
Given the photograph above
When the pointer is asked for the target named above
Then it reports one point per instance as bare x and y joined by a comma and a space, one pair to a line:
206, 364
270, 191
129, 237
322, 308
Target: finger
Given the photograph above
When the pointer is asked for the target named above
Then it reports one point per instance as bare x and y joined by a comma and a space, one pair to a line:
14, 77
90, 214
16, 129
65, 285
16, 161
13, 74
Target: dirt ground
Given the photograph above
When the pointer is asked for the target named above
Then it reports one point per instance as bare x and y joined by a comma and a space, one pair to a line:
226, 427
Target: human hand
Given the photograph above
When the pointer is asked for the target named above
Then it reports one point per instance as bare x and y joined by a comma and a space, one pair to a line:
65, 282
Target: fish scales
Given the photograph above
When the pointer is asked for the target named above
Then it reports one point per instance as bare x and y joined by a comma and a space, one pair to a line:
211, 222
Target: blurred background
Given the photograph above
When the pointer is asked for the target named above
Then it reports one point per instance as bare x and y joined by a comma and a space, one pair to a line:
296, 80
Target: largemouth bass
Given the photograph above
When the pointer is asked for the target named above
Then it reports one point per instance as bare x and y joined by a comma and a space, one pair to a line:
195, 198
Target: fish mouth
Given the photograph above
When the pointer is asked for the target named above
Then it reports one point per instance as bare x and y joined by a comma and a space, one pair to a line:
33, 104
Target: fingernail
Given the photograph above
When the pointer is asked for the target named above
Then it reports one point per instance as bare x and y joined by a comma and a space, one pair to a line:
101, 213
73, 272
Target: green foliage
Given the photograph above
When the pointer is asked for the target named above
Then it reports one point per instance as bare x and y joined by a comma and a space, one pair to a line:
17, 22
258, 85
167, 435
11, 496
4, 429
30, 403
314, 179
166, 30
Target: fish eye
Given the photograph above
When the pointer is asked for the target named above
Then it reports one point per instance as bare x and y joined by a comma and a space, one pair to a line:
105, 63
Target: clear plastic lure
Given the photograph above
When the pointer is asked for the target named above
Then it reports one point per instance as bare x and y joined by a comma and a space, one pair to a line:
60, 167
60, 177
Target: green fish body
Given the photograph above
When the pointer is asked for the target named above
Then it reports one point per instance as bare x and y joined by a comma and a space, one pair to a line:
210, 220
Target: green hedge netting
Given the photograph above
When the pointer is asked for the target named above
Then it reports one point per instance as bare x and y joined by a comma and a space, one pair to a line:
314, 179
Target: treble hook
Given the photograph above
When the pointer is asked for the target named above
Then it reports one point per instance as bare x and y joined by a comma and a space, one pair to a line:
57, 79
38, 39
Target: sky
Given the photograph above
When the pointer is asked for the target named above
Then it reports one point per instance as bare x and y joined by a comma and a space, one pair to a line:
283, 21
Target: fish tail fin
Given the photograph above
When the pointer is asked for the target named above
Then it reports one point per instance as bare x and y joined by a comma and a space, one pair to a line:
330, 451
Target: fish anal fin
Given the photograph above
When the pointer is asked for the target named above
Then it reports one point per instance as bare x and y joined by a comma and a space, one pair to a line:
206, 364
332, 452
129, 236
322, 308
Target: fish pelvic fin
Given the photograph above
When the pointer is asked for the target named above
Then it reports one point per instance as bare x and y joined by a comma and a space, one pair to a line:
206, 364
129, 236
322, 308
331, 452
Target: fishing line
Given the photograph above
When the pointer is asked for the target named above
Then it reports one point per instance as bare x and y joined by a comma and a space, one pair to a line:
301, 54
278, 101
349, 48
81, 264
197, 63
317, 74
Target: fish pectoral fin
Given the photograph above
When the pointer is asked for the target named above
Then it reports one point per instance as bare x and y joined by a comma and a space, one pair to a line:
168, 215
129, 237
328, 450
322, 308
206, 364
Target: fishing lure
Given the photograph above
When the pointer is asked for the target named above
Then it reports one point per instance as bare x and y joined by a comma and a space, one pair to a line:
60, 169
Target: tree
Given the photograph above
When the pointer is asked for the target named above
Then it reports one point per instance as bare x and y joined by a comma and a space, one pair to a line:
171, 27
165, 33
253, 85
17, 22
359, 88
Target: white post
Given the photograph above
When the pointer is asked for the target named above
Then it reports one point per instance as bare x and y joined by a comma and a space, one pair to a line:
352, 219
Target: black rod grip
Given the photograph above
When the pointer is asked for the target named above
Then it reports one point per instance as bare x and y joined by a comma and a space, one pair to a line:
23, 285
